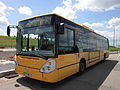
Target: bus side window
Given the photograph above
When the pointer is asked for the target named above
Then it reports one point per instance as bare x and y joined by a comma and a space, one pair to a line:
66, 42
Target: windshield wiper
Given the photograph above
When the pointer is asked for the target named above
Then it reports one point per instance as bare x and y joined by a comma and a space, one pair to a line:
38, 55
33, 54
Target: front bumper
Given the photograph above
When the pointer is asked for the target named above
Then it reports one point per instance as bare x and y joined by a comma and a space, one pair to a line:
51, 77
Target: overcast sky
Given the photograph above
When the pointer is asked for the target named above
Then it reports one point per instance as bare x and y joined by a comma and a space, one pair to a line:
101, 15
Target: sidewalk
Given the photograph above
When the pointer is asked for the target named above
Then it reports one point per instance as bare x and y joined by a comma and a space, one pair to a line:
7, 52
6, 67
8, 49
112, 82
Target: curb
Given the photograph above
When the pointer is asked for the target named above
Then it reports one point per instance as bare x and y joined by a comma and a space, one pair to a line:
7, 72
114, 52
5, 50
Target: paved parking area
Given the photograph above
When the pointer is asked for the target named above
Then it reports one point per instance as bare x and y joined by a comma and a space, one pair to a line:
5, 53
6, 65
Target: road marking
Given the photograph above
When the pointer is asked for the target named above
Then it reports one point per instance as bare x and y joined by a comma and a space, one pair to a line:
7, 49
6, 71
8, 62
4, 62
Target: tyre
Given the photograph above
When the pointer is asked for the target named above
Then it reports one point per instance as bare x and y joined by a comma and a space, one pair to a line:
82, 67
104, 59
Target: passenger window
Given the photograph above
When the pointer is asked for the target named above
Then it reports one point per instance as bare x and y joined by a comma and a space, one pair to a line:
70, 37
63, 39
66, 41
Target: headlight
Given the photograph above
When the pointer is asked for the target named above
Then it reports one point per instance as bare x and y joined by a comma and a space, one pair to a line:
48, 66
15, 61
15, 57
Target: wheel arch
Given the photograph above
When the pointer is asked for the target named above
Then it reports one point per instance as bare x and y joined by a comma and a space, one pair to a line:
82, 60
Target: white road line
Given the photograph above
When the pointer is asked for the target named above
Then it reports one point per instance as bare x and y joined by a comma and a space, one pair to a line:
7, 71
7, 49
4, 62
8, 62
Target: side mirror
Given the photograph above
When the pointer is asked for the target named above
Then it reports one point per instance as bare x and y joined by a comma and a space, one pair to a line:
8, 30
60, 28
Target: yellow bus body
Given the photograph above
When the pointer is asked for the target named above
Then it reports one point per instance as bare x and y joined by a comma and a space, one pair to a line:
66, 65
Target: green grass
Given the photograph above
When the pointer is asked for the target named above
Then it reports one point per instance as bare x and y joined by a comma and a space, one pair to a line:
6, 41
114, 48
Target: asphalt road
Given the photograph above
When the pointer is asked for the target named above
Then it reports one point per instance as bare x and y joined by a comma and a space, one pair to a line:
94, 78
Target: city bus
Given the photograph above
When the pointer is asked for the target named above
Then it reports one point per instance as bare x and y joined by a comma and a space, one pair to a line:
51, 47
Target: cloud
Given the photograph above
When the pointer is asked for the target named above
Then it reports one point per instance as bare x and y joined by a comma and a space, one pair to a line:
4, 11
25, 10
11, 8
69, 8
3, 19
114, 22
66, 10
87, 24
98, 24
2, 32
3, 7
97, 5
106, 34
109, 35
94, 24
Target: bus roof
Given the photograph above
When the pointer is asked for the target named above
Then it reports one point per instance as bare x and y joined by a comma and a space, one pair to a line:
59, 16
35, 17
46, 15
88, 28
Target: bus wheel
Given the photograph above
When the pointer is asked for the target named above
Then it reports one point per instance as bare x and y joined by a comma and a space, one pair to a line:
104, 58
82, 67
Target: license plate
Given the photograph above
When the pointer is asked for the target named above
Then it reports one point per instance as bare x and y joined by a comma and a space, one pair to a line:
27, 74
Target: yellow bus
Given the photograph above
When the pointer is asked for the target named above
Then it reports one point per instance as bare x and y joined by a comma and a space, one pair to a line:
51, 48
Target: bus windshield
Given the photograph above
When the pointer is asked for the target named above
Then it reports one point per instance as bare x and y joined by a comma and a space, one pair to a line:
38, 41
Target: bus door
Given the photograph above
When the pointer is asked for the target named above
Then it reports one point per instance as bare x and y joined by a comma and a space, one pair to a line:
93, 56
66, 53
94, 53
